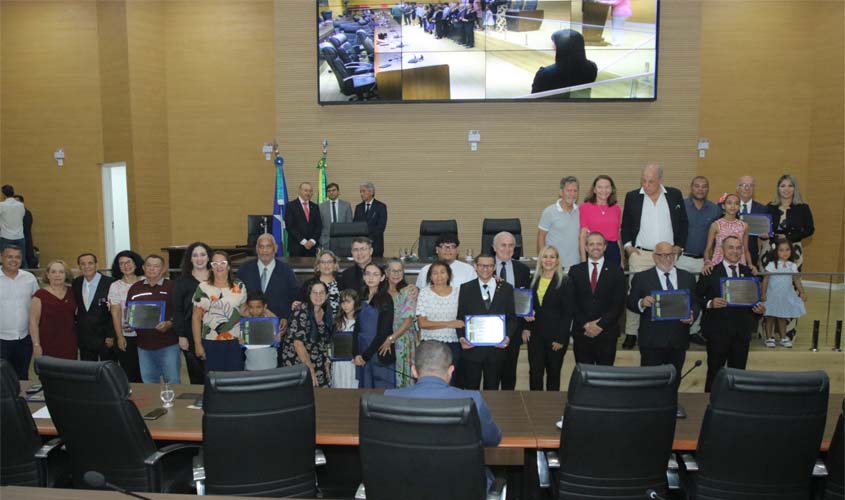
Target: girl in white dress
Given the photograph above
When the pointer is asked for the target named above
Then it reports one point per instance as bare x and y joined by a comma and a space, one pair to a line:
343, 372
779, 293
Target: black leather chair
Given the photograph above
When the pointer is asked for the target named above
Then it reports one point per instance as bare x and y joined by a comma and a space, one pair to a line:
103, 430
360, 86
23, 459
618, 428
430, 230
258, 434
420, 449
365, 40
760, 436
350, 54
491, 227
835, 462
342, 234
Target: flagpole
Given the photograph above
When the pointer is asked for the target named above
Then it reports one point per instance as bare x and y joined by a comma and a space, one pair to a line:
280, 198
321, 175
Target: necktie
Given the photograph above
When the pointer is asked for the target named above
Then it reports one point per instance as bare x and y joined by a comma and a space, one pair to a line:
668, 282
487, 300
334, 212
89, 295
307, 211
264, 276
366, 209
744, 209
733, 271
594, 277
503, 272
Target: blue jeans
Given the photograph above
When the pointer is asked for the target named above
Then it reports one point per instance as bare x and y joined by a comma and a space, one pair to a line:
21, 243
164, 362
18, 353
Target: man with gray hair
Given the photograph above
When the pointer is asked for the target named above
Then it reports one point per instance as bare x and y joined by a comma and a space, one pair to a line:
374, 213
433, 369
560, 224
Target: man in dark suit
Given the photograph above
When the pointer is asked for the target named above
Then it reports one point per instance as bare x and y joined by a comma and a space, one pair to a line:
727, 329
374, 213
334, 210
598, 291
481, 297
748, 205
271, 276
433, 370
302, 220
652, 214
662, 342
517, 275
362, 254
94, 326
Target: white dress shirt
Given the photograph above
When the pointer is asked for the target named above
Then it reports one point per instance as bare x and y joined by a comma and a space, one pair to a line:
89, 289
15, 298
491, 288
655, 222
461, 273
600, 265
11, 219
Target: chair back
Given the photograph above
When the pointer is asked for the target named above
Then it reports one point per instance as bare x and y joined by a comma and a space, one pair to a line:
341, 235
330, 55
761, 434
102, 428
20, 437
835, 462
420, 448
366, 41
491, 227
259, 433
618, 428
430, 230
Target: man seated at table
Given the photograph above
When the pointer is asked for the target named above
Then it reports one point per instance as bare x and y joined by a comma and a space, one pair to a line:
433, 370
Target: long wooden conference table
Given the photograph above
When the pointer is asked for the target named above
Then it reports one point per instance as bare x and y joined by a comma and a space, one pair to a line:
527, 419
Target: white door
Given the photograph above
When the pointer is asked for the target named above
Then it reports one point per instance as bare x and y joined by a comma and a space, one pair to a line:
115, 210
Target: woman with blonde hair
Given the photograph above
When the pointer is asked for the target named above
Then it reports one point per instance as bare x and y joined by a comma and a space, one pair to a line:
549, 325
51, 315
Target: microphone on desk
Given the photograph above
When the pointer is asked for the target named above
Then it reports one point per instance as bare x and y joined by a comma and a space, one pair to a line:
698, 363
98, 481
652, 494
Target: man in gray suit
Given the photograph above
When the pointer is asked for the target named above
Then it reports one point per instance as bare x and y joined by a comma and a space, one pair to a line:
333, 210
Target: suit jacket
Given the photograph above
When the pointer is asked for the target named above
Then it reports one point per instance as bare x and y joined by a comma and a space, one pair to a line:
607, 303
553, 318
661, 334
756, 208
737, 321
376, 220
633, 211
430, 387
470, 302
94, 325
282, 286
351, 278
344, 214
798, 224
299, 228
522, 279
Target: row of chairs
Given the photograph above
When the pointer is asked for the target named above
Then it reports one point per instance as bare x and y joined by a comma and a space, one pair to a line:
759, 438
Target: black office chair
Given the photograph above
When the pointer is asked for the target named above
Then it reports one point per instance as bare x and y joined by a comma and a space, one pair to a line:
23, 459
491, 227
358, 86
430, 230
420, 449
103, 430
618, 428
835, 462
258, 434
760, 436
341, 235
350, 54
365, 40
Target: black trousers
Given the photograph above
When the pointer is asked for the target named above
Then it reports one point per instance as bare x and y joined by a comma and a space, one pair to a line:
656, 356
195, 366
469, 34
595, 351
484, 361
18, 353
544, 361
103, 353
727, 347
509, 368
128, 360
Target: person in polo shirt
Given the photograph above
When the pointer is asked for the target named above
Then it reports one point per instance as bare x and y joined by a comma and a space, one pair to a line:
158, 348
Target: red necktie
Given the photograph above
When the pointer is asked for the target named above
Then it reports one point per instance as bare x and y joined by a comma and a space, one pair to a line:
594, 277
307, 211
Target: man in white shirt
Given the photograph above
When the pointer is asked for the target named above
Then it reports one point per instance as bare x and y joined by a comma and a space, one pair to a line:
16, 289
446, 248
11, 221
334, 210
560, 224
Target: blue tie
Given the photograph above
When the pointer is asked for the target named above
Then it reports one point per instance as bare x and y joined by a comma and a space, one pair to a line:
668, 282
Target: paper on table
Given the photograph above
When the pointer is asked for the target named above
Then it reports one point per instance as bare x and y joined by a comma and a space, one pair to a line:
42, 413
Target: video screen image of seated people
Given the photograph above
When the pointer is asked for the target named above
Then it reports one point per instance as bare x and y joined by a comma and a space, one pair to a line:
471, 50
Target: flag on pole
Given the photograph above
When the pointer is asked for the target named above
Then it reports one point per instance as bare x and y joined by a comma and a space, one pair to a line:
280, 234
321, 181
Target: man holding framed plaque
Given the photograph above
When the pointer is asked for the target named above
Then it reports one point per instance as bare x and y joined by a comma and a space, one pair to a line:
664, 297
517, 275
730, 299
487, 307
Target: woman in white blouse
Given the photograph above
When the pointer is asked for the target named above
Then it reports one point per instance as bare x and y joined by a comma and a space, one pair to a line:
437, 310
